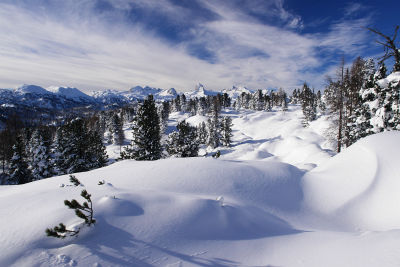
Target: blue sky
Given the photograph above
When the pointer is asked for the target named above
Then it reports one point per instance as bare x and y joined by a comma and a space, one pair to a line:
116, 44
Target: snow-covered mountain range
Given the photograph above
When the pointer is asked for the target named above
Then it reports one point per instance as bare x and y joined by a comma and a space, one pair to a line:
56, 97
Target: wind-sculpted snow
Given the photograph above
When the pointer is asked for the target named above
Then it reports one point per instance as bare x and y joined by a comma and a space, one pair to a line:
359, 187
279, 135
275, 198
173, 199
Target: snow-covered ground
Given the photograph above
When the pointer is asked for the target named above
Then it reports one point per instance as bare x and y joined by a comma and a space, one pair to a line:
277, 197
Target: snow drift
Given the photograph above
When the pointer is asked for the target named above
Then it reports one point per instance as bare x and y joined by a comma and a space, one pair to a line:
359, 188
174, 199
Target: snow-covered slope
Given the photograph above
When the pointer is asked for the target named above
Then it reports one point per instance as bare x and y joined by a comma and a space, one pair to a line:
109, 97
359, 188
31, 99
70, 93
145, 205
279, 136
256, 205
32, 89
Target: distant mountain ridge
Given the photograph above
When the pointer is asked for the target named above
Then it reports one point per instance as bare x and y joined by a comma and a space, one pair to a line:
59, 97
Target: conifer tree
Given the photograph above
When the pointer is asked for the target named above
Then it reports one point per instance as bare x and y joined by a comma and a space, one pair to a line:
213, 139
284, 103
19, 171
75, 153
202, 133
77, 149
226, 131
116, 130
40, 158
146, 143
164, 115
96, 155
58, 149
83, 211
308, 103
183, 143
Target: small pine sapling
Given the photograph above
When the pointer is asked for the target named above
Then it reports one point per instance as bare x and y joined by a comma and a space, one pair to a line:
217, 154
74, 180
60, 231
83, 211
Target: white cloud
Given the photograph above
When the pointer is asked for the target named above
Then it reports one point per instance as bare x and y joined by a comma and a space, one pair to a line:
85, 51
353, 8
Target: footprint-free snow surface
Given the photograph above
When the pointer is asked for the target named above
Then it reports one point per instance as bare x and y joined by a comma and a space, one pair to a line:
277, 197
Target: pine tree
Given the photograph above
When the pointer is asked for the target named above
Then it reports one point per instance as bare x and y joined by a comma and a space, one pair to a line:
268, 103
116, 130
145, 144
76, 144
96, 155
295, 99
183, 143
40, 158
308, 104
213, 139
19, 171
226, 131
58, 148
164, 115
381, 73
284, 103
202, 133
259, 100
77, 149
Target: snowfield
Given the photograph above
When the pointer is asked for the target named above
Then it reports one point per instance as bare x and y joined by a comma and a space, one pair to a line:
278, 197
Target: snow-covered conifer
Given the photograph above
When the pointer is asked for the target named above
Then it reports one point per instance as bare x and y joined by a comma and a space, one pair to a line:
40, 158
226, 131
146, 143
19, 172
183, 143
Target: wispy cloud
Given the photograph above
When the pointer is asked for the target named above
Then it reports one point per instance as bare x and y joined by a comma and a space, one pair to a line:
89, 46
353, 8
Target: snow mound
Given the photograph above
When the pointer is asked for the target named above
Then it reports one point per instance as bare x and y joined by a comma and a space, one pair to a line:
282, 136
359, 188
196, 120
206, 219
159, 201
